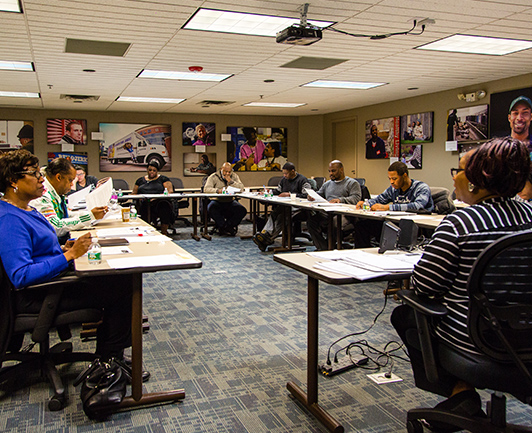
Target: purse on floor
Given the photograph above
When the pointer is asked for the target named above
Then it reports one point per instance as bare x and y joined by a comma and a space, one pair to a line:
103, 385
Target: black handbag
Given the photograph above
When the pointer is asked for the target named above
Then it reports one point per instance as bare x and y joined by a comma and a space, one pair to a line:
103, 386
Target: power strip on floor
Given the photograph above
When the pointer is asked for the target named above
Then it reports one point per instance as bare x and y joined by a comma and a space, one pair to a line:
344, 364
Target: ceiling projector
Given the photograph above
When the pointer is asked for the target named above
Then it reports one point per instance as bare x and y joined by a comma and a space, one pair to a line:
298, 35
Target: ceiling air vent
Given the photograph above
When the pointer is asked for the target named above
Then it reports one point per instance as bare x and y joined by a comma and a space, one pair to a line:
80, 98
215, 103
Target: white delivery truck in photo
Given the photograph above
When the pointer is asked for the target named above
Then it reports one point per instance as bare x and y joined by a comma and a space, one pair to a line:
136, 149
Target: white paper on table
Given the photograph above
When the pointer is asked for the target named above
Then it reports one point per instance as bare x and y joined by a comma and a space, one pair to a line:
343, 268
151, 237
111, 251
120, 232
76, 197
379, 262
100, 196
149, 261
232, 190
330, 255
317, 198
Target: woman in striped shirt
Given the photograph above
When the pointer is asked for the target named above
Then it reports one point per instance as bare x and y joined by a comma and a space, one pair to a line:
487, 178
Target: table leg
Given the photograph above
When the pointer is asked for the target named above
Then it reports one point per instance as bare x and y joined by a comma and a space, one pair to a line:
310, 399
205, 231
339, 237
195, 218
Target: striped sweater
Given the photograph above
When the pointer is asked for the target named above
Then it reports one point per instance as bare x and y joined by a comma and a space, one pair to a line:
444, 268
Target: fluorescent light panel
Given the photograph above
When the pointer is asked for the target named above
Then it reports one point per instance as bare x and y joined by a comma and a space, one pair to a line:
190, 76
343, 84
10, 6
157, 100
16, 66
19, 94
242, 23
478, 45
275, 104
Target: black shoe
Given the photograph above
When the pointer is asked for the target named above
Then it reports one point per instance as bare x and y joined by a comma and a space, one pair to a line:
258, 240
232, 231
145, 373
465, 403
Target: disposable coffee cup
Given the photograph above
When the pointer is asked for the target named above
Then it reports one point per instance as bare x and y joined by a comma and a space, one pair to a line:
293, 196
246, 189
125, 215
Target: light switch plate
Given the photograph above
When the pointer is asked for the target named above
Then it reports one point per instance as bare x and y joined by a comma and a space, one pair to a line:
379, 378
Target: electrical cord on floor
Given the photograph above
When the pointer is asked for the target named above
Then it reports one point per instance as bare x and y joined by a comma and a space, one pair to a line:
379, 358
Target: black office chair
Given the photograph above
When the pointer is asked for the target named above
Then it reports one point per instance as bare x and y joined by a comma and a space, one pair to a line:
274, 181
443, 203
14, 326
120, 184
499, 325
361, 180
180, 204
319, 182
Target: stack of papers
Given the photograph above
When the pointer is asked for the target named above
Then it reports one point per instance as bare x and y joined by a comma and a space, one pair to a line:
121, 232
364, 265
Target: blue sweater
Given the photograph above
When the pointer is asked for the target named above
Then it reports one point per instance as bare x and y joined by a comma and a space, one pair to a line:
416, 197
29, 250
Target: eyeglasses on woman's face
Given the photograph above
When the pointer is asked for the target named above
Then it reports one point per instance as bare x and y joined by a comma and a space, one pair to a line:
35, 173
455, 171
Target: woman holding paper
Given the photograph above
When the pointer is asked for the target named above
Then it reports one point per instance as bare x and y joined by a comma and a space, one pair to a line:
155, 183
30, 253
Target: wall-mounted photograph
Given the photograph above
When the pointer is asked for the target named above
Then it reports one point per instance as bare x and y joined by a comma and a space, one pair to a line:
130, 147
66, 131
382, 138
411, 155
467, 124
80, 158
502, 122
199, 134
417, 128
199, 164
16, 134
257, 148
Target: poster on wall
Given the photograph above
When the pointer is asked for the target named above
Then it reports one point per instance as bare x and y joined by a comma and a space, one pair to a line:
257, 148
66, 131
501, 121
382, 138
411, 155
467, 124
199, 134
16, 134
417, 128
199, 164
80, 158
130, 147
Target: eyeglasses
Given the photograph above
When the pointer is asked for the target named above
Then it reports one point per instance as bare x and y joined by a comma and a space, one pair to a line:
455, 171
36, 173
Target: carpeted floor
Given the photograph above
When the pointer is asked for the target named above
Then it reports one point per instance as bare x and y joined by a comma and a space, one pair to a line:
232, 334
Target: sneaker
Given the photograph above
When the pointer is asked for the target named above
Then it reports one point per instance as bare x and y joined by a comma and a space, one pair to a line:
259, 241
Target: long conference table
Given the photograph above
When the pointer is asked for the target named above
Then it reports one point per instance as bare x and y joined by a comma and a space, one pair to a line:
304, 263
144, 249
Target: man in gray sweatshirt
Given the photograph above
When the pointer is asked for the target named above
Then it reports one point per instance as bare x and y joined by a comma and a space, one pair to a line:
340, 189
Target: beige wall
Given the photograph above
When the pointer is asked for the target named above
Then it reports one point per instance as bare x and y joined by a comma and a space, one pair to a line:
175, 120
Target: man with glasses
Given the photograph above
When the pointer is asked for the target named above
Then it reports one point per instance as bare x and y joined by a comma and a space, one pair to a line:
60, 174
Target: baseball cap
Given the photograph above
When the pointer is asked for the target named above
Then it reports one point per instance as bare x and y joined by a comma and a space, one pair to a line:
25, 132
522, 99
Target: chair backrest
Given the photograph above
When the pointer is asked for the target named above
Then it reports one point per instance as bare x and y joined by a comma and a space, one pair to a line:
176, 182
365, 192
500, 300
443, 203
361, 180
120, 184
274, 181
319, 181
7, 316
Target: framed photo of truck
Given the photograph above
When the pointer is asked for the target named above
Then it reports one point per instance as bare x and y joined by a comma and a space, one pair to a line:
130, 147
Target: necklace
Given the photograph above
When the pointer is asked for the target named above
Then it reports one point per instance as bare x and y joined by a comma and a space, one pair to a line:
14, 204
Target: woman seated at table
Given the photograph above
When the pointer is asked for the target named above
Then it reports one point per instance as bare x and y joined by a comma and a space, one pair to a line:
487, 178
30, 253
151, 210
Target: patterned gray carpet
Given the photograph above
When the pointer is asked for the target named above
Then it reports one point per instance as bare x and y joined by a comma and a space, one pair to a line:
232, 334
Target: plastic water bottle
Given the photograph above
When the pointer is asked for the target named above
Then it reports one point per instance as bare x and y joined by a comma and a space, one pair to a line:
113, 202
95, 252
366, 205
165, 191
120, 193
132, 213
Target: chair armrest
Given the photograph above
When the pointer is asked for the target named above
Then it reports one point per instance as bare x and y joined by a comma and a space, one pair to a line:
57, 281
426, 306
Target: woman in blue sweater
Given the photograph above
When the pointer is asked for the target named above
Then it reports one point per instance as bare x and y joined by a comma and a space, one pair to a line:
31, 254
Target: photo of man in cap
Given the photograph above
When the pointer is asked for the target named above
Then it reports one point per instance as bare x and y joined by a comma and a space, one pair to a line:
25, 136
519, 116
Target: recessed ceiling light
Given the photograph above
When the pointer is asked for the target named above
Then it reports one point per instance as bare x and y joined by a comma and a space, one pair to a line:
16, 66
242, 23
343, 84
10, 6
269, 81
275, 104
89, 70
19, 94
157, 100
413, 88
477, 45
175, 75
